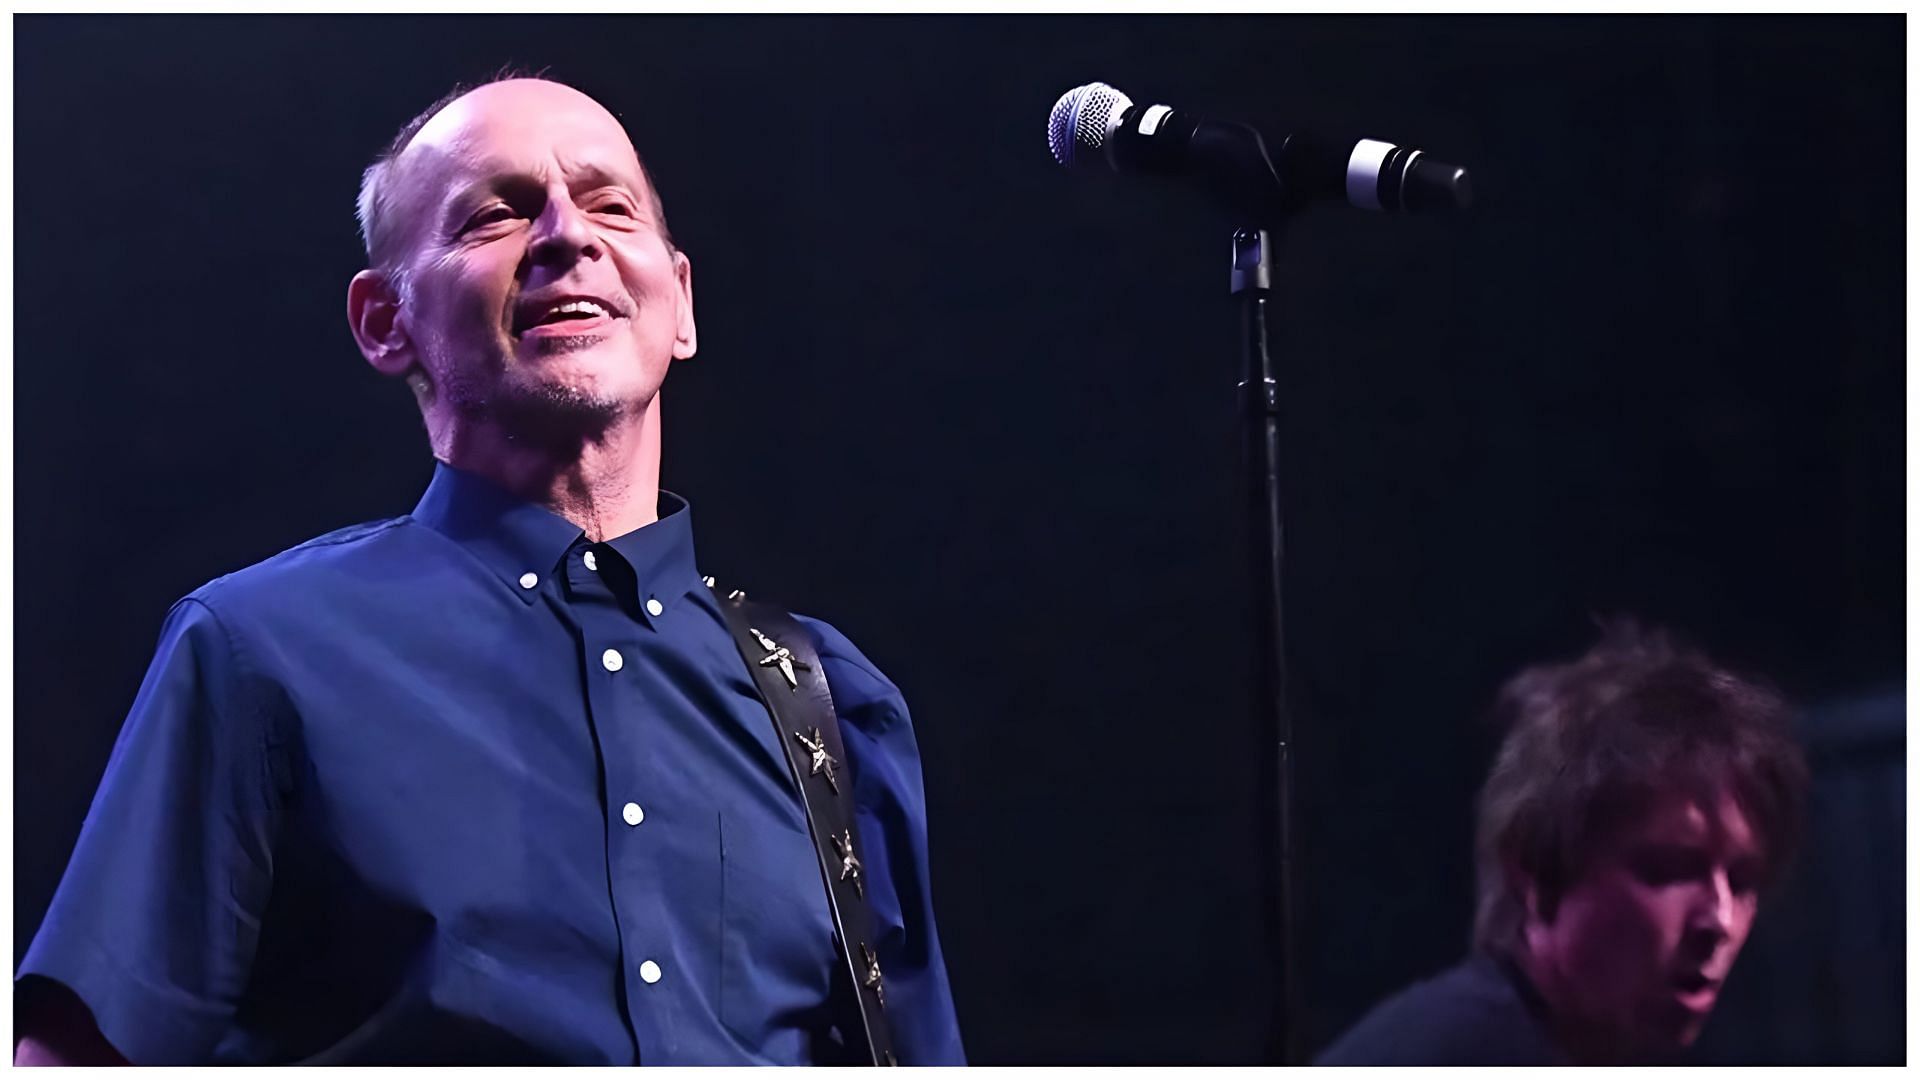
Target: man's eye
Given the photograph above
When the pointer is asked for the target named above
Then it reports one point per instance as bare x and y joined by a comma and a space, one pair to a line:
614, 208
1666, 868
491, 215
1657, 874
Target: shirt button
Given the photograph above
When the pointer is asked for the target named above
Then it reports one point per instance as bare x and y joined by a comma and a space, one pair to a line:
654, 608
632, 814
529, 579
588, 559
611, 659
649, 972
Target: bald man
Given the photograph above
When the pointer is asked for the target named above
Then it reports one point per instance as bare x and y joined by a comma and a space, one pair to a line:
489, 782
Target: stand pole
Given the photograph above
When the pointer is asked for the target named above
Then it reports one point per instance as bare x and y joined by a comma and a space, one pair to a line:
1260, 401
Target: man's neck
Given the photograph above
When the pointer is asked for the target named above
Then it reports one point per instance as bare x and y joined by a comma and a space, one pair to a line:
1582, 1043
607, 483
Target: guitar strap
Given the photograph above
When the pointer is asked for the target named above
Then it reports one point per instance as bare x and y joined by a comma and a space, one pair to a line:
785, 669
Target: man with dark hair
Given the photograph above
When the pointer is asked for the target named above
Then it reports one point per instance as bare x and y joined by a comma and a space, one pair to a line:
495, 781
1640, 801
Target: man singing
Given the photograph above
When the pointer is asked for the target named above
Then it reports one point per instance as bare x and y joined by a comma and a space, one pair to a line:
489, 782
1642, 799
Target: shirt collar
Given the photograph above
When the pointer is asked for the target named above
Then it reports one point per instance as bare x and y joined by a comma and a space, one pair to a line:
523, 543
1501, 966
661, 554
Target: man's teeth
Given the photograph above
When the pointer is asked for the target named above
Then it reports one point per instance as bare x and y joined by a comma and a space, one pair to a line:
575, 308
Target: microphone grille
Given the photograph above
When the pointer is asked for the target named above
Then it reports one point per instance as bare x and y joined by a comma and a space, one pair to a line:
1081, 121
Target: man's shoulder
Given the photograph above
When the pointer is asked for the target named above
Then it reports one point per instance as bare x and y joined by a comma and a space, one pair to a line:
862, 693
1469, 1014
313, 564
839, 652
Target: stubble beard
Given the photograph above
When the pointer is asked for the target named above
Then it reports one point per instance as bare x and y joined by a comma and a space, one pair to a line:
548, 413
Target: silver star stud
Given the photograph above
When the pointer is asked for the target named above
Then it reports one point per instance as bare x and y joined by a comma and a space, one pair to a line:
823, 762
873, 975
780, 655
849, 862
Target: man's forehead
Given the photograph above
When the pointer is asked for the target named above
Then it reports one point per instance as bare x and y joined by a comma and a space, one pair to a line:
1692, 815
524, 125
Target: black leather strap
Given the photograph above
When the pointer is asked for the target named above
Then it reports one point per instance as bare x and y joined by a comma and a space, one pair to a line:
786, 670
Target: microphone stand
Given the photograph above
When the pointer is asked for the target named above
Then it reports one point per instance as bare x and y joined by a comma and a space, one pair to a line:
1252, 279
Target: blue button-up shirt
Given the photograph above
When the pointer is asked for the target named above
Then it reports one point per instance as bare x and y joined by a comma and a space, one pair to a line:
466, 787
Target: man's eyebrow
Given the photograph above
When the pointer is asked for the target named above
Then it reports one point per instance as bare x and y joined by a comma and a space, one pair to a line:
594, 176
499, 179
591, 177
472, 191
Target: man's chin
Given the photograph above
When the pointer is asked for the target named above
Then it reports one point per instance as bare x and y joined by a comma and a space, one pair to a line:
1672, 1032
555, 411
535, 346
564, 398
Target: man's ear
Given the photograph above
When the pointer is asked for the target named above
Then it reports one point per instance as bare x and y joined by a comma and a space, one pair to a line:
373, 313
686, 340
1536, 901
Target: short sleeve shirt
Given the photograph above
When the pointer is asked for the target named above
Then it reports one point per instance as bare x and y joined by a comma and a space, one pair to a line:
464, 786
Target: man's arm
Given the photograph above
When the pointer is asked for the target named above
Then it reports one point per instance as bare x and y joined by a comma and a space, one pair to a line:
156, 918
890, 806
54, 1027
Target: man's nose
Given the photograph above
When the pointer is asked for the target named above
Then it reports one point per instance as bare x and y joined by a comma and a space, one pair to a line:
1713, 906
562, 234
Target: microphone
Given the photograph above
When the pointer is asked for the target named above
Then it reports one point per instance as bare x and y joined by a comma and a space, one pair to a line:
1095, 124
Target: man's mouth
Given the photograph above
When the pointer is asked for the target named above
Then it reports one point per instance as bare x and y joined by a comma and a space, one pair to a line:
562, 315
1696, 990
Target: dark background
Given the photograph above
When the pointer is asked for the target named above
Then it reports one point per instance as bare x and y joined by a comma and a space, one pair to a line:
1658, 370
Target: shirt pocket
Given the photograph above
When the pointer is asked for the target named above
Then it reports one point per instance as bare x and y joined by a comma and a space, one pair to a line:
776, 935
